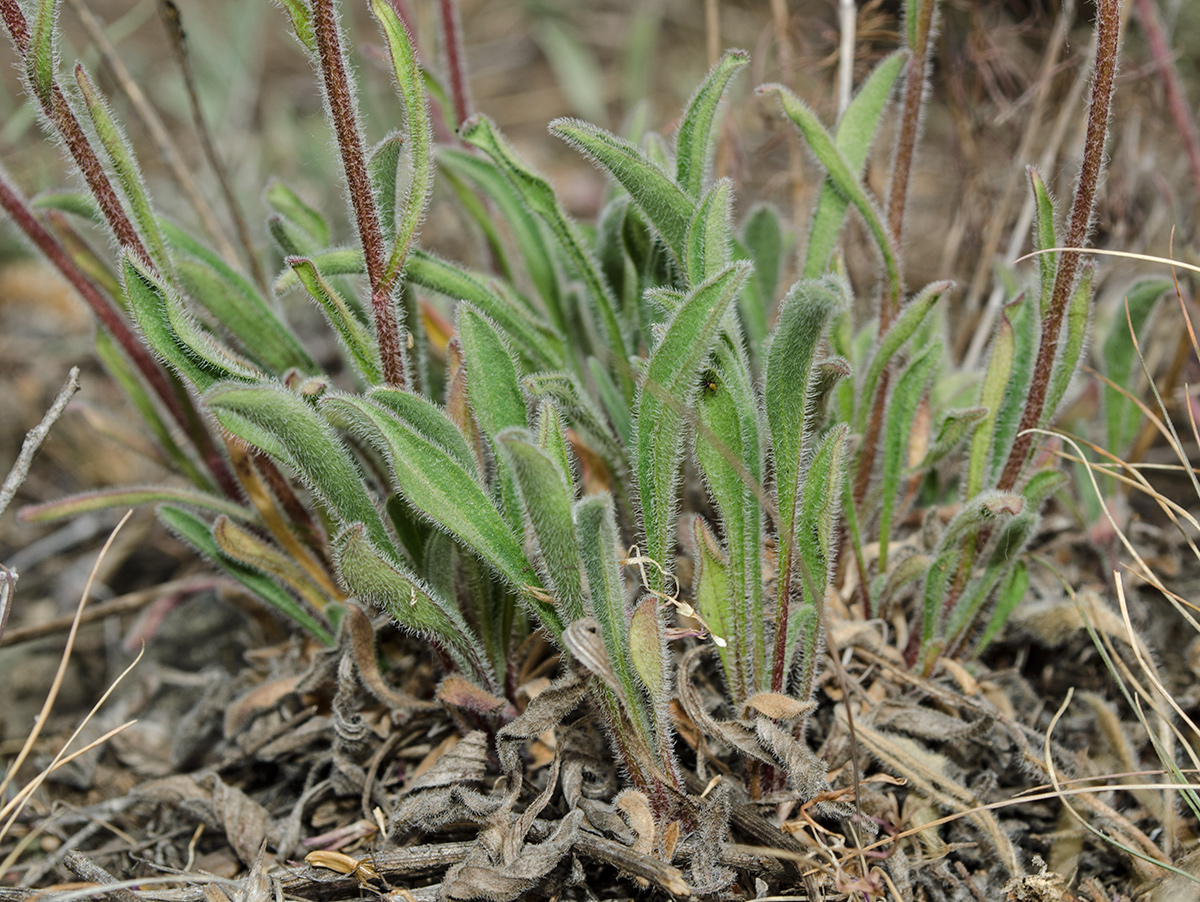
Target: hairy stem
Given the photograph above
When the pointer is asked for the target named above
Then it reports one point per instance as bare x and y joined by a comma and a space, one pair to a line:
340, 95
455, 64
1108, 39
58, 110
111, 319
906, 143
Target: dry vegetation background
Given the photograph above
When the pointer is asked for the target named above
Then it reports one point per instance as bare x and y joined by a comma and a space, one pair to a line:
995, 92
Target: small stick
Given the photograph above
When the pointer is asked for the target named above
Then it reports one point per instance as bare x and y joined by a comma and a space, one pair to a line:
33, 441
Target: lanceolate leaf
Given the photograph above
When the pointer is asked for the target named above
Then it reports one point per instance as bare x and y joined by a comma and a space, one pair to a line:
369, 575
841, 173
538, 258
995, 380
716, 600
132, 496
197, 533
901, 410
240, 544
710, 234
352, 334
547, 505
764, 240
236, 304
537, 193
855, 133
902, 330
729, 450
383, 166
420, 134
303, 440
667, 392
436, 485
665, 205
596, 527
1078, 313
1120, 413
491, 374
1044, 237
804, 316
696, 137
429, 420
308, 221
173, 333
125, 166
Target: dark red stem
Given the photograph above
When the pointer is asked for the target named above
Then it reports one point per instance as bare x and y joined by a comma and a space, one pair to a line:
18, 210
452, 35
1108, 40
340, 96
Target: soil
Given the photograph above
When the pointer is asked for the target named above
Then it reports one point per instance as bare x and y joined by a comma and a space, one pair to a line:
244, 734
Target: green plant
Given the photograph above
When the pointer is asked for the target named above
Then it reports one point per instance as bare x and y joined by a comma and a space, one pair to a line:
459, 500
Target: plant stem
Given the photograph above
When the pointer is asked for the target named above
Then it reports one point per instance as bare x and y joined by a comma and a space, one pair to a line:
1108, 40
58, 111
910, 124
110, 318
455, 64
339, 94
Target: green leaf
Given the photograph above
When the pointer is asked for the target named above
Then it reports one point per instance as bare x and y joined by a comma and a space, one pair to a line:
956, 426
539, 196
287, 427
696, 137
614, 403
710, 235
576, 70
1078, 313
1122, 417
1044, 237
546, 501
301, 18
855, 134
841, 173
905, 325
762, 235
596, 527
371, 576
171, 330
240, 544
118, 365
667, 393
530, 241
648, 647
308, 221
587, 418
420, 134
430, 421
804, 316
820, 504
491, 374
1010, 594
729, 450
125, 166
197, 533
669, 210
437, 486
383, 167
132, 496
42, 55
717, 602
352, 334
494, 394
237, 306
912, 385
995, 381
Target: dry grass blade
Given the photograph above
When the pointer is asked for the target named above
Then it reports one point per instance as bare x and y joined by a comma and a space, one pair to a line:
13, 808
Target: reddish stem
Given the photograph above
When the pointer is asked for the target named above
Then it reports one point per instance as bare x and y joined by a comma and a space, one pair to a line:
18, 210
340, 95
59, 112
452, 35
1108, 39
